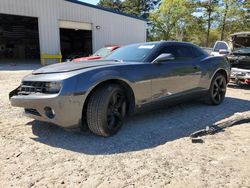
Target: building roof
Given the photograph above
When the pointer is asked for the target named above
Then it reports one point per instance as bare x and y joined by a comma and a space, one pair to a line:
106, 9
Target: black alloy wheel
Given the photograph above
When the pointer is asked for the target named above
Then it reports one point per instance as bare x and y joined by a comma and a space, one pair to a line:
116, 111
106, 110
217, 90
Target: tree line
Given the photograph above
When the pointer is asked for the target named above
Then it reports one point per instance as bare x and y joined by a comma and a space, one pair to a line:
199, 21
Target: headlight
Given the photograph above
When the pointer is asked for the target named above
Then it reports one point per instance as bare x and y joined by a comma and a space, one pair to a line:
53, 87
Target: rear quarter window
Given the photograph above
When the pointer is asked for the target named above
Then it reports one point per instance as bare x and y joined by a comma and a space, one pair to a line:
187, 52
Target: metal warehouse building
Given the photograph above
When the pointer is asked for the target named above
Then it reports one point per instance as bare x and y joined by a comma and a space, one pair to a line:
29, 28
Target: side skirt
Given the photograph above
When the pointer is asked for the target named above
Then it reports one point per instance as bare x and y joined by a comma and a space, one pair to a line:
170, 101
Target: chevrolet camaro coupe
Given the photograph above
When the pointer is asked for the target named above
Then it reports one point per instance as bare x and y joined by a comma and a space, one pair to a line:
99, 94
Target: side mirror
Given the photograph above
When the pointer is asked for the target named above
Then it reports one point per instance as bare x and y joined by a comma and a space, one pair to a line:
223, 51
163, 57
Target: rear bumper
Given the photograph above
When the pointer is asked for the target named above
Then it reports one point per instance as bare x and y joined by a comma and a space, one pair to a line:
66, 110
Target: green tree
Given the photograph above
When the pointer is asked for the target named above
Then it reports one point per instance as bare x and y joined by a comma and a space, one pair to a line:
199, 21
169, 21
195, 31
234, 18
247, 9
232, 13
140, 8
224, 12
113, 4
209, 12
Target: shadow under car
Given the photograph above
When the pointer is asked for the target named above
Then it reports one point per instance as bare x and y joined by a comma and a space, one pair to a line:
141, 131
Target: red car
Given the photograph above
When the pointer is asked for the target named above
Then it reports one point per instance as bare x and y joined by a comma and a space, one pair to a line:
103, 52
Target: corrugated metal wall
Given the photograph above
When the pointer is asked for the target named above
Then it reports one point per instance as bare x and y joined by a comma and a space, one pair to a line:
115, 28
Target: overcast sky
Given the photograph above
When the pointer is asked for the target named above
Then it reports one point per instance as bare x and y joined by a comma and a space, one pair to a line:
94, 2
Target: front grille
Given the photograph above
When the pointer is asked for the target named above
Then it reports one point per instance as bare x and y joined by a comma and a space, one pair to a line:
28, 88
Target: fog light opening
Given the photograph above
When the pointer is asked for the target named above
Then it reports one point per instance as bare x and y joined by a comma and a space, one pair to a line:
49, 112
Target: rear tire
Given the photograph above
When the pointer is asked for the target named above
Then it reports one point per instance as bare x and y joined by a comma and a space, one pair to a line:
106, 110
217, 90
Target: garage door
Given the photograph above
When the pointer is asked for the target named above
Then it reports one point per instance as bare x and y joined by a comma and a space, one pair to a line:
75, 25
75, 39
19, 38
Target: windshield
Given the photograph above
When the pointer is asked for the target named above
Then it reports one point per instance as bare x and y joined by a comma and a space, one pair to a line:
103, 52
220, 46
134, 52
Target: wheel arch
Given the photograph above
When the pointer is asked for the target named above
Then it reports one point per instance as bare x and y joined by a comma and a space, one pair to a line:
221, 71
127, 88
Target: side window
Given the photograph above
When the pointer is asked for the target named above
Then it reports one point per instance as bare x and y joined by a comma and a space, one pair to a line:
169, 49
181, 52
187, 52
197, 52
164, 50
220, 46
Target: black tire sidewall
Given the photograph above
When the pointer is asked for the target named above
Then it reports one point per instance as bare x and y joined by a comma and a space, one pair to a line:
97, 110
211, 99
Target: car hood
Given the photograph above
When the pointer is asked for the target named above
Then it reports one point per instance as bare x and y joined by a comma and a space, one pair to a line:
72, 66
241, 40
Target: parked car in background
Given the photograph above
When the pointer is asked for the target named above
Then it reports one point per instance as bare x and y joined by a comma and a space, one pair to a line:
72, 56
99, 94
237, 50
103, 52
221, 48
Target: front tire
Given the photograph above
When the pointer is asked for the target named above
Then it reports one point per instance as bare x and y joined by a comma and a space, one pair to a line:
217, 91
106, 110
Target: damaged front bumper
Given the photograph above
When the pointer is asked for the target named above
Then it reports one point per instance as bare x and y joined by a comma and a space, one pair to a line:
240, 76
62, 110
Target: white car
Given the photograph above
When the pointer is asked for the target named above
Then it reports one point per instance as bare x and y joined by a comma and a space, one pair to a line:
237, 50
221, 48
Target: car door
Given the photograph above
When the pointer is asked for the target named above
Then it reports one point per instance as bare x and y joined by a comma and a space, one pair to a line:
176, 76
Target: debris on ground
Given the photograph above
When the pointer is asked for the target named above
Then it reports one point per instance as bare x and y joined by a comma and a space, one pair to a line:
236, 119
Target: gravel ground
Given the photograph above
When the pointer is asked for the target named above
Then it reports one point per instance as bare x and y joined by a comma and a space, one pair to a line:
151, 150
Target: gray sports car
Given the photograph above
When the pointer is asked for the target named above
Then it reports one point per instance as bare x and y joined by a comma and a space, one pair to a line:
99, 94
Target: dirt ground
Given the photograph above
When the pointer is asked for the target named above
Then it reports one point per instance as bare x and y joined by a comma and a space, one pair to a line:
151, 150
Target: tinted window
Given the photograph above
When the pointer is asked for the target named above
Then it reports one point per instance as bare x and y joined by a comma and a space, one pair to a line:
135, 52
197, 52
220, 46
182, 51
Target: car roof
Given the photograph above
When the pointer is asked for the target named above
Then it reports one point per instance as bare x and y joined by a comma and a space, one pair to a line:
176, 42
164, 42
